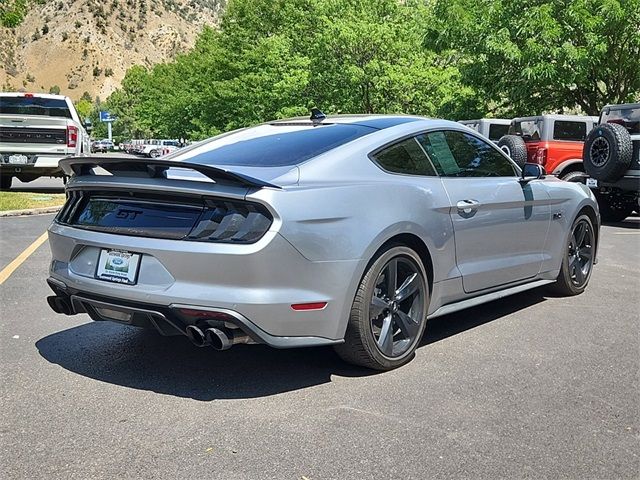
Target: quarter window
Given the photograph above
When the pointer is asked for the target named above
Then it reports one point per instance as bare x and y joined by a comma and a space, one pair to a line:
458, 154
572, 131
497, 131
406, 157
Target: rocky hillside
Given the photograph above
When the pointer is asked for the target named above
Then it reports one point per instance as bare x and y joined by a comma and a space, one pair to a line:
87, 45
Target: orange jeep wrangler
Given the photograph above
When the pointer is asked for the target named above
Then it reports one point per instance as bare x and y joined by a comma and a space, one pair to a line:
553, 141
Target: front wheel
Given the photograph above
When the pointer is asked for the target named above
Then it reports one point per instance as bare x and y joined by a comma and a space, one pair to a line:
388, 315
575, 177
577, 262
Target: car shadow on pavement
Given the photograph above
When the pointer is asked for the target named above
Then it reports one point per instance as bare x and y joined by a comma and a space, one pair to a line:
142, 359
446, 326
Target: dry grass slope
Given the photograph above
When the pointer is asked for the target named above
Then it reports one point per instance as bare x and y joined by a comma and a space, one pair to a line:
87, 45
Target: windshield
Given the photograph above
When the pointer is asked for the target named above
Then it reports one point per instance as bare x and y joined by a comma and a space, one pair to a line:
628, 117
50, 107
273, 145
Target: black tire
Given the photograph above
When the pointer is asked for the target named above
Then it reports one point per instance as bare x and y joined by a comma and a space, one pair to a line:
607, 152
154, 154
576, 177
574, 276
361, 347
514, 146
613, 208
5, 182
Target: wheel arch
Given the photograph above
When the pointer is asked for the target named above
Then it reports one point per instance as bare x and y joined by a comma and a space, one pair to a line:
590, 212
415, 243
568, 166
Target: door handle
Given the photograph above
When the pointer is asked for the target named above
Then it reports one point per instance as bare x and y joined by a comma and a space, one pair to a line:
467, 207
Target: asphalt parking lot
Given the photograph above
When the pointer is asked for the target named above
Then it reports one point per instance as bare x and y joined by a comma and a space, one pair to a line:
531, 386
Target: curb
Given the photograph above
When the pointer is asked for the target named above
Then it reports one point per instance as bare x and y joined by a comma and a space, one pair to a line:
29, 211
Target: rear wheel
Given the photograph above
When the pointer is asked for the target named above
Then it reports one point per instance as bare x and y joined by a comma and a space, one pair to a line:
388, 315
576, 177
578, 258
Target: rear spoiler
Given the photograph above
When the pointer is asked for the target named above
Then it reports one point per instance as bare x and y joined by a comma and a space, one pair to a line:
155, 169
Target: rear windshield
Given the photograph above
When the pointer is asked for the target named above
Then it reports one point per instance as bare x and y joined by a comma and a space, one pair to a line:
274, 146
49, 107
629, 118
496, 132
573, 131
528, 130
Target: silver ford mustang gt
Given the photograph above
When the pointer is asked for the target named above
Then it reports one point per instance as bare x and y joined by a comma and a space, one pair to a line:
349, 231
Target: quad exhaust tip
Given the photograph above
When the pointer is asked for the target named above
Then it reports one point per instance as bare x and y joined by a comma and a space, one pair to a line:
196, 335
61, 305
218, 338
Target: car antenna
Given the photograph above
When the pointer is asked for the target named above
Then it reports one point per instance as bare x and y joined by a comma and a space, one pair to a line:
317, 116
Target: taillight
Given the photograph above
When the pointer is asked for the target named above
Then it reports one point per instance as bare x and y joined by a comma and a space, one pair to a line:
72, 136
541, 156
231, 222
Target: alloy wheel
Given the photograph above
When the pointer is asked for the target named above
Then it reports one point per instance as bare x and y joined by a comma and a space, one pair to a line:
599, 151
396, 310
580, 253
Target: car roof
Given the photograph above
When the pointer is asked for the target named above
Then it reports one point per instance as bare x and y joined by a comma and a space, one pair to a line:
36, 95
621, 106
556, 117
366, 120
499, 121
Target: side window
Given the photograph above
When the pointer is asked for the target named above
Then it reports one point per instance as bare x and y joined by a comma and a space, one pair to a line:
405, 157
458, 154
573, 131
496, 131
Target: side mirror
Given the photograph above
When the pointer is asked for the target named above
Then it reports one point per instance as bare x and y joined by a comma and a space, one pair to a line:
531, 171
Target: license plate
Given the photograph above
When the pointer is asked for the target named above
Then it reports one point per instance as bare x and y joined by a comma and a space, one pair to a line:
18, 159
592, 182
118, 266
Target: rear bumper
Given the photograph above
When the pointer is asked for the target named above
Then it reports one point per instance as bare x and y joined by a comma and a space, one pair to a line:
37, 165
167, 320
629, 182
256, 283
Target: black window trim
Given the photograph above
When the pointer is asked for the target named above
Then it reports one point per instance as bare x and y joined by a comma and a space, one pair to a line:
371, 155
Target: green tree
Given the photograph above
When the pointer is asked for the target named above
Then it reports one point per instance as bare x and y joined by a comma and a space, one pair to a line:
84, 108
533, 56
277, 58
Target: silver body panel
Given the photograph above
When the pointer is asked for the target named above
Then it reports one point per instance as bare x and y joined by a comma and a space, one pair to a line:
332, 214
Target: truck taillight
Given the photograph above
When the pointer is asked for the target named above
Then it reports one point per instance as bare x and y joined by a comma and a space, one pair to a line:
72, 136
541, 156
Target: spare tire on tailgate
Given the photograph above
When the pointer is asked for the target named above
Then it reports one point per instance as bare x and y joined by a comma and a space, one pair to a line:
607, 152
514, 146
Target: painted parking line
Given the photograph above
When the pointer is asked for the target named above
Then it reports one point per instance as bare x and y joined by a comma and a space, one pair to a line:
626, 233
20, 259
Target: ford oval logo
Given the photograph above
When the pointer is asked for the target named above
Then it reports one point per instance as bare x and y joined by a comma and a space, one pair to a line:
117, 261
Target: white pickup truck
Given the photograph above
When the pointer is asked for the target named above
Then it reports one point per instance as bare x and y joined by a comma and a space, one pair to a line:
36, 132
